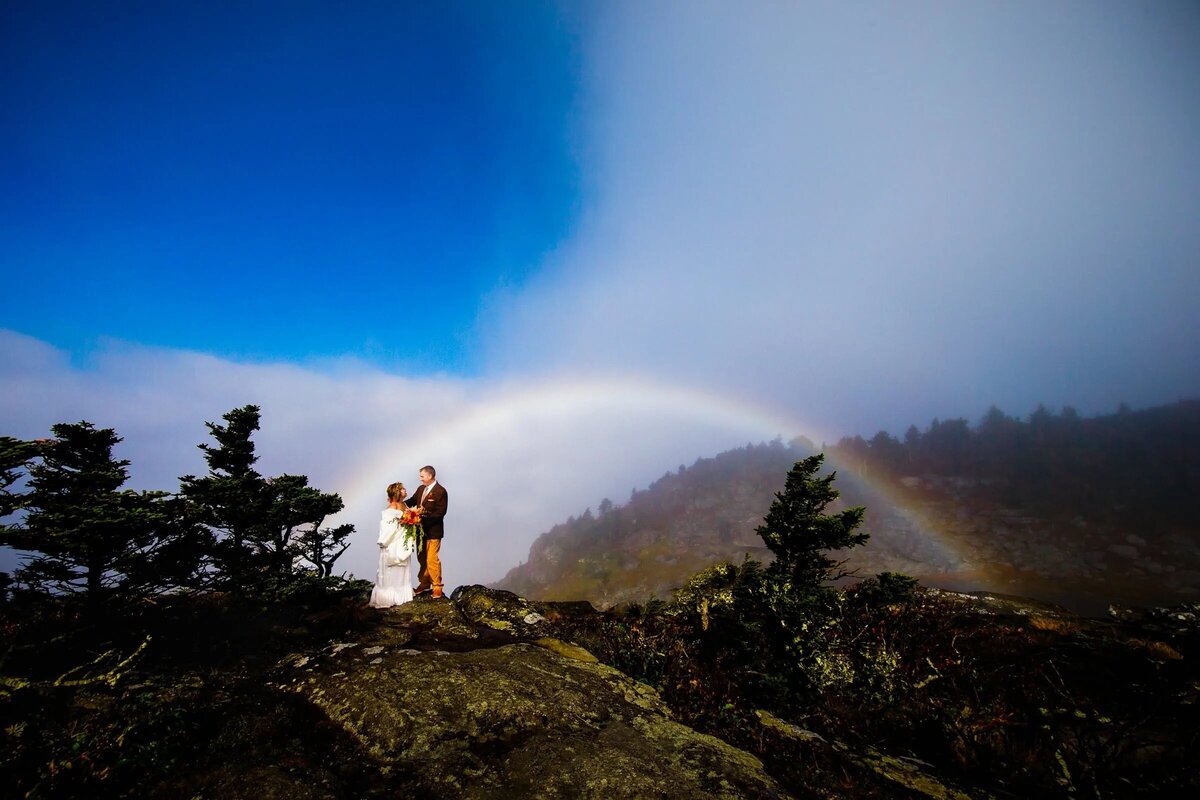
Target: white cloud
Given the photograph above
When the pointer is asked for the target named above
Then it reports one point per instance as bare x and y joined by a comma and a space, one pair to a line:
516, 457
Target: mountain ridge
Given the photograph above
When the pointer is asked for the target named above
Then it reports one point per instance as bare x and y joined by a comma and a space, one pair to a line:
1079, 511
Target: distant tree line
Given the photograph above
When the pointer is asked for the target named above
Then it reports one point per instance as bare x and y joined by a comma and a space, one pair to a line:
64, 506
1055, 463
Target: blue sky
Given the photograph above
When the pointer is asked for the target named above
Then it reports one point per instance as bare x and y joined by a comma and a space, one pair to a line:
281, 180
559, 249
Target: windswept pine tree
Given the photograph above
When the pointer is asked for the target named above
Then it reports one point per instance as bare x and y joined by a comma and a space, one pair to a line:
802, 537
233, 498
322, 547
261, 525
84, 534
293, 529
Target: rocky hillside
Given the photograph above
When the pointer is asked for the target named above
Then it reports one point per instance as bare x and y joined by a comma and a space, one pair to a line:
682, 523
1078, 512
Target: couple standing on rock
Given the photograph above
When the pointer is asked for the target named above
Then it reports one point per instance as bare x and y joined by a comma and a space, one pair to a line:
396, 544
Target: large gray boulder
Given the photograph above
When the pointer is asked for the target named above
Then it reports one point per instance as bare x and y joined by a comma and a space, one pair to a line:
501, 610
529, 720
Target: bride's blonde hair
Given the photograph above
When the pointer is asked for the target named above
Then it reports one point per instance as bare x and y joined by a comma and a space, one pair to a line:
396, 492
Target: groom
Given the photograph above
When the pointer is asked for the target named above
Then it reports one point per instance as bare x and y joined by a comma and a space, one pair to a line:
434, 501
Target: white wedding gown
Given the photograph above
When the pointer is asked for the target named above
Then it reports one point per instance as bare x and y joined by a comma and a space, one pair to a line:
392, 583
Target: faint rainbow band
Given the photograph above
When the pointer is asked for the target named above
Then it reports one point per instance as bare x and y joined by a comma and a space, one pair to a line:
507, 410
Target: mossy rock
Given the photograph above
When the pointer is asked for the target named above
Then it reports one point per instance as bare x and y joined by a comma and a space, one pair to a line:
521, 721
566, 650
439, 617
501, 610
565, 610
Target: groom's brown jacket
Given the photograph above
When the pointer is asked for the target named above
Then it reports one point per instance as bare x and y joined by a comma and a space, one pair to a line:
433, 510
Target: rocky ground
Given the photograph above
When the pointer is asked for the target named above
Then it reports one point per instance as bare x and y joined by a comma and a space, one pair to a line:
469, 697
489, 695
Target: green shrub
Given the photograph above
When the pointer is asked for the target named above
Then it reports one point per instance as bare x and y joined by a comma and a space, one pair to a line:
886, 588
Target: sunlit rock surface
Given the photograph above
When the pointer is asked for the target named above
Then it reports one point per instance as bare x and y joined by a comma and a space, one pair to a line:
453, 712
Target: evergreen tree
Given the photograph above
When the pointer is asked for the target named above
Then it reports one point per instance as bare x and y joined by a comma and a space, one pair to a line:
233, 499
322, 547
886, 450
292, 528
801, 535
85, 535
912, 445
261, 525
15, 455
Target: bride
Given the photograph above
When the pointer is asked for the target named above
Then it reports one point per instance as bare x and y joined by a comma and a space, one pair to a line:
392, 583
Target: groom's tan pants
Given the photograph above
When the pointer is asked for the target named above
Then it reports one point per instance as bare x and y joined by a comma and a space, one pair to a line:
430, 574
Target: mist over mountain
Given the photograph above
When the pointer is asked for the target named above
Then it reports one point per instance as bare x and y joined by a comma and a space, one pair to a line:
1079, 511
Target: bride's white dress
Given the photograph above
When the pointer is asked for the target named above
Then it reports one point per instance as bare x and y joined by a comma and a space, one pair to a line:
392, 583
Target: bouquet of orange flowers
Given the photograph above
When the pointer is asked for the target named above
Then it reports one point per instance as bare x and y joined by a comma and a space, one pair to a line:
414, 531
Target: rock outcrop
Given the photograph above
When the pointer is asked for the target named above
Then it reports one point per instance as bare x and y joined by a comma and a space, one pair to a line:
473, 699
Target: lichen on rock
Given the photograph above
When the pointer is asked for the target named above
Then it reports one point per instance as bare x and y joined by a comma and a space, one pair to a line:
500, 610
521, 720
